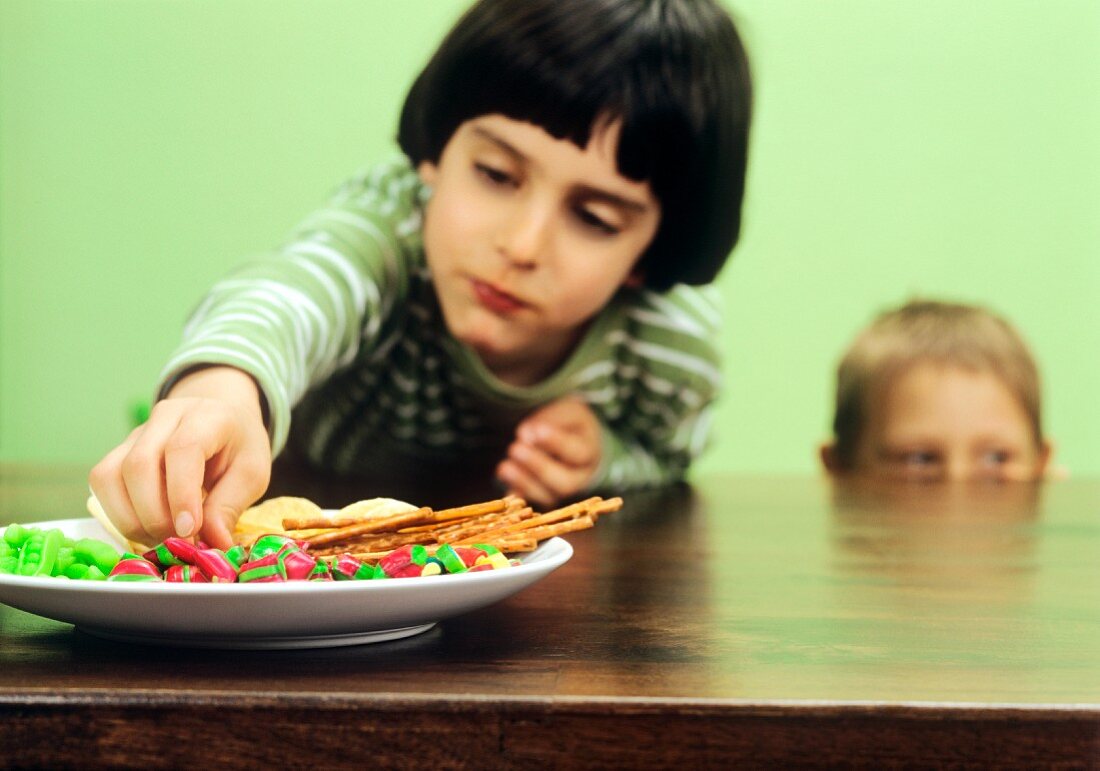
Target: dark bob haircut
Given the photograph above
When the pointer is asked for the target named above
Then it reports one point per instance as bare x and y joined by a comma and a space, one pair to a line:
674, 72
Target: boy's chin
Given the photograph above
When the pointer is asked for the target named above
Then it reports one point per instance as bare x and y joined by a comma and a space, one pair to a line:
488, 347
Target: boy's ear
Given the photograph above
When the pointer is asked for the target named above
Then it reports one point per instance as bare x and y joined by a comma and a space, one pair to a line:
427, 172
827, 452
1044, 468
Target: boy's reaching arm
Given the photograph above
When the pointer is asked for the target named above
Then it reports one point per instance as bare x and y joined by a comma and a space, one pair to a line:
194, 466
293, 318
260, 339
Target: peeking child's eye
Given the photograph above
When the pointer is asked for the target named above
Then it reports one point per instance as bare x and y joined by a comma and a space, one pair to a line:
596, 222
996, 457
918, 459
494, 175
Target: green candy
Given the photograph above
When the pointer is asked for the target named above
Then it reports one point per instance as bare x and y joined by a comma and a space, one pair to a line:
450, 559
133, 577
16, 534
238, 555
91, 551
76, 570
51, 545
255, 574
268, 544
488, 548
418, 555
28, 551
39, 553
64, 559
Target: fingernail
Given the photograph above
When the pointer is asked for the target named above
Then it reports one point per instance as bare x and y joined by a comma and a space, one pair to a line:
185, 523
519, 451
527, 433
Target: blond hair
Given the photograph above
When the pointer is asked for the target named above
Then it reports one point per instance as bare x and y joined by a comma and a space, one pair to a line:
921, 331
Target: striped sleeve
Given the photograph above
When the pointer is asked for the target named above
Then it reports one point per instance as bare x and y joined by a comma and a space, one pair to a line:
658, 407
292, 318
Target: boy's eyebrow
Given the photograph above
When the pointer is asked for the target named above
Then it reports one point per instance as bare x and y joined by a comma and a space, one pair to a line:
587, 190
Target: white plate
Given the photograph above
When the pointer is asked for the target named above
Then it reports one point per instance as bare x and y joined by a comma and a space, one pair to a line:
295, 614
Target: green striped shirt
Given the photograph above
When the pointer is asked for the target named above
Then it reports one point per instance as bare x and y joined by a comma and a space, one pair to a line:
342, 331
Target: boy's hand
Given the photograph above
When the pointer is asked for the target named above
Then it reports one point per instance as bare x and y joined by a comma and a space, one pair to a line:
555, 453
206, 438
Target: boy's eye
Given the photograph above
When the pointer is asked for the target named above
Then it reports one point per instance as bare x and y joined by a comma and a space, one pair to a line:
494, 175
996, 457
595, 222
918, 459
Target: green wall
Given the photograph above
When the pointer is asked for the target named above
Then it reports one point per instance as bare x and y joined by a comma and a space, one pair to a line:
901, 148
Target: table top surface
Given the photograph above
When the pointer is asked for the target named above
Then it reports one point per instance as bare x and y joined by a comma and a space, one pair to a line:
732, 590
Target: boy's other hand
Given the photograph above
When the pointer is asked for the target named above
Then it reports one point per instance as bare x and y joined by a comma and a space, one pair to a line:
555, 453
192, 468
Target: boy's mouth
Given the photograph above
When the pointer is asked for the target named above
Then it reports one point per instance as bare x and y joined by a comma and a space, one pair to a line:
496, 299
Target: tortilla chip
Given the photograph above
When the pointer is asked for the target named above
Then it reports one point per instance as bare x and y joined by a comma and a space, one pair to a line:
374, 507
267, 517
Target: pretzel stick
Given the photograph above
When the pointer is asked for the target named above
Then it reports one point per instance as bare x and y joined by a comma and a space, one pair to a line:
377, 525
389, 539
434, 527
321, 523
510, 547
549, 531
473, 510
511, 527
514, 503
607, 506
483, 525
382, 543
566, 512
458, 516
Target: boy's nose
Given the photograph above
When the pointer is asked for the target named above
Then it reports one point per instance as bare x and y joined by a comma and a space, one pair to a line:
524, 235
959, 468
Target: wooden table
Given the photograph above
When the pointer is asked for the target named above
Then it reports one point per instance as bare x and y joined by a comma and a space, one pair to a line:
757, 621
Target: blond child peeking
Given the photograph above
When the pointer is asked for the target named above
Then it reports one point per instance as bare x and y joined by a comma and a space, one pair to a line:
938, 391
521, 292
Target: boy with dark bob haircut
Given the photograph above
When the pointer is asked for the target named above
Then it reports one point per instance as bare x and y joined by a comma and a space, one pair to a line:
938, 391
520, 294
571, 66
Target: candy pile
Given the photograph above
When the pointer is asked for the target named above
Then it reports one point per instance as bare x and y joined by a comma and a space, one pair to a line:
276, 558
28, 551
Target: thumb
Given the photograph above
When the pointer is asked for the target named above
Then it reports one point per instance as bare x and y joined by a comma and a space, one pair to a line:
235, 491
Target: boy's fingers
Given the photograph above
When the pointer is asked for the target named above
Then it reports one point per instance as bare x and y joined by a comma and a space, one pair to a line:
570, 447
106, 483
243, 482
143, 473
568, 412
557, 478
525, 483
189, 448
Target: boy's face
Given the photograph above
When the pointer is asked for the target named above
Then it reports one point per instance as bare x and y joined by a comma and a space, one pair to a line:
528, 237
941, 422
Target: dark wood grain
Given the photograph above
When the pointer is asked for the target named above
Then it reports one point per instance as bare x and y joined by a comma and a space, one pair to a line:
750, 620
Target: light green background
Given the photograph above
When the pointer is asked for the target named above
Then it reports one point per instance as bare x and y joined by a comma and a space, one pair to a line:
901, 147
